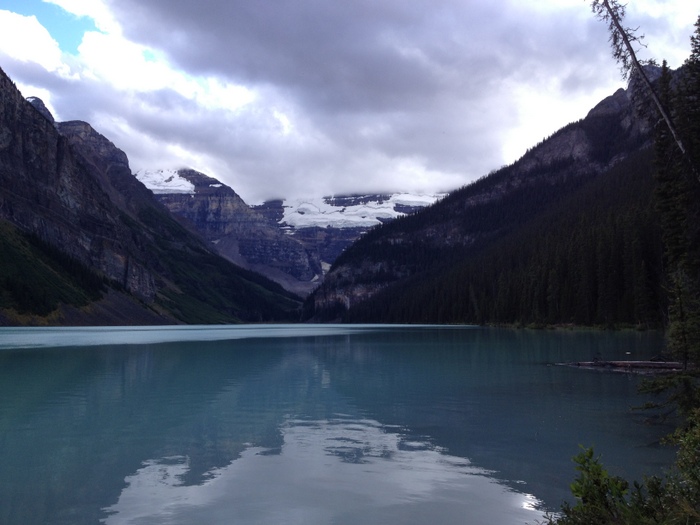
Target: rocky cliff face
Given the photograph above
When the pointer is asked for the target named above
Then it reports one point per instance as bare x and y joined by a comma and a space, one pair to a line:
50, 189
238, 232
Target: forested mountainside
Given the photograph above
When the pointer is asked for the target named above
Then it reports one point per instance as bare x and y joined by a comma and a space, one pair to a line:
83, 242
566, 234
592, 257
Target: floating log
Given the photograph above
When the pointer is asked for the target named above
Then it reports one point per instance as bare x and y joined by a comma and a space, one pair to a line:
634, 367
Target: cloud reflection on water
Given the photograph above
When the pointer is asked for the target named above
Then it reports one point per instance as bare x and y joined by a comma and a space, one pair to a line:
340, 470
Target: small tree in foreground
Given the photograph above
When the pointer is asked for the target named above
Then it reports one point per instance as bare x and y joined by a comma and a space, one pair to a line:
609, 500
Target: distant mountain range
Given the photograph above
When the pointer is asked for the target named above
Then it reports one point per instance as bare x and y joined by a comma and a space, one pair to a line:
292, 242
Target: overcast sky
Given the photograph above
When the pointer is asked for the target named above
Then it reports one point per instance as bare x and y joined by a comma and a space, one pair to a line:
287, 98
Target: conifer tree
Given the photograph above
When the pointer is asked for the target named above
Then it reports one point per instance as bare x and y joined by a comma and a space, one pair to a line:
681, 238
677, 195
689, 103
671, 189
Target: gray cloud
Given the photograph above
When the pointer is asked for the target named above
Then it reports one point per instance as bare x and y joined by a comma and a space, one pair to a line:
416, 79
380, 95
354, 56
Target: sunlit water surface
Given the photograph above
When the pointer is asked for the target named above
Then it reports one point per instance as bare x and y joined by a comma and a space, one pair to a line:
309, 424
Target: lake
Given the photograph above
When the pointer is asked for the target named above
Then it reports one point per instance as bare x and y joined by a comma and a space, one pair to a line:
310, 424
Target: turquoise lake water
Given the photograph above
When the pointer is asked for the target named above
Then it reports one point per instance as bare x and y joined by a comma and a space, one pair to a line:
310, 424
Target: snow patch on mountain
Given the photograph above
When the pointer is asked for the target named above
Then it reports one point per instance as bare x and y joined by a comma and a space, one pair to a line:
369, 211
164, 181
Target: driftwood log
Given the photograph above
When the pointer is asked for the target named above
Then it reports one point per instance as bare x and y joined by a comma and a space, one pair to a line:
633, 367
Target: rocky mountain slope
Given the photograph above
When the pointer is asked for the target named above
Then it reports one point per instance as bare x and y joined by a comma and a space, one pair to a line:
237, 232
70, 207
444, 236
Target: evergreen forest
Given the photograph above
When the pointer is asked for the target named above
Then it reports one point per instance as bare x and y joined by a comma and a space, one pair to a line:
592, 257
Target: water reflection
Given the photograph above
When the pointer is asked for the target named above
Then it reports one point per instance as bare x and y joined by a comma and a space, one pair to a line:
366, 424
341, 470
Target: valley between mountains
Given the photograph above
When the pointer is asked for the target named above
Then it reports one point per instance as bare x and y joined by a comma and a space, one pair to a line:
567, 234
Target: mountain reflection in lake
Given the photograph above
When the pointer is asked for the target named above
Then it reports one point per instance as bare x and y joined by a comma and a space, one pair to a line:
308, 424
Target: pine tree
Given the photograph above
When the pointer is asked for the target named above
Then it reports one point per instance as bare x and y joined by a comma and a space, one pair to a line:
689, 103
676, 199
672, 189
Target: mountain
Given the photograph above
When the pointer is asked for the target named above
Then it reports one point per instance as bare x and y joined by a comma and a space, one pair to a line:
292, 242
84, 242
236, 231
555, 237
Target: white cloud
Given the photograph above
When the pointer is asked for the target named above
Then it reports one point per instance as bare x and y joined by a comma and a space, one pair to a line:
25, 39
666, 26
214, 93
120, 63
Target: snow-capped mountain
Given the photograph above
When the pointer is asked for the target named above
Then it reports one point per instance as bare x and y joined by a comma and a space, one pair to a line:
353, 211
234, 229
291, 241
85, 243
